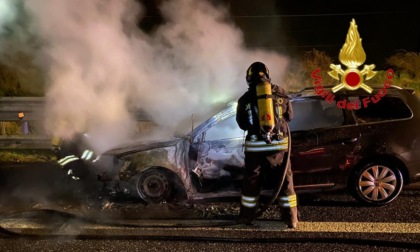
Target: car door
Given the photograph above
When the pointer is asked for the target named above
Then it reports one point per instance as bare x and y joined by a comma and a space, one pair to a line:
220, 154
322, 140
304, 152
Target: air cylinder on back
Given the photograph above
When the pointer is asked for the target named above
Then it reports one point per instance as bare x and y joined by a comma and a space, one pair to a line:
265, 109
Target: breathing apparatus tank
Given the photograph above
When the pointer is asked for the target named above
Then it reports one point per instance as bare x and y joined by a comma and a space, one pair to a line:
265, 110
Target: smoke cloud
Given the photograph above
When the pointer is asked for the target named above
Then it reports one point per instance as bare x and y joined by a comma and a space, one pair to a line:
8, 11
100, 65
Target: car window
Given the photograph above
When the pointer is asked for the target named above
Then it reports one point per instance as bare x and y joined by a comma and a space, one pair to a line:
227, 128
388, 108
315, 113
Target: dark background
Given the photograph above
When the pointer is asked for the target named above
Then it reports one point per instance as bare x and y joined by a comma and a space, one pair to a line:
295, 26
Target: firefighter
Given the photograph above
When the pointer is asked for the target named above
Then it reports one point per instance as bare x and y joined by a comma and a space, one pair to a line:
73, 155
264, 111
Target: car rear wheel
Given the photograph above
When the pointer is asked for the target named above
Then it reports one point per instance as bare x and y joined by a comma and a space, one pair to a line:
153, 186
377, 183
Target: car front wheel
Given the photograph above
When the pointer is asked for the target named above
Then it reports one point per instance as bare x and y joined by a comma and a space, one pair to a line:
377, 183
153, 185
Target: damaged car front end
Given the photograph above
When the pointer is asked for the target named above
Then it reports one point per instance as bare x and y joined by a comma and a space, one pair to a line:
177, 169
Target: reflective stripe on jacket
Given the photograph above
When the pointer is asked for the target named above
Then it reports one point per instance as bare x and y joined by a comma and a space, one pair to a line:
65, 160
260, 146
87, 154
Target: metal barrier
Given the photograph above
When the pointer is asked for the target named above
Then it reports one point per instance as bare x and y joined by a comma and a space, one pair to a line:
29, 110
22, 110
11, 107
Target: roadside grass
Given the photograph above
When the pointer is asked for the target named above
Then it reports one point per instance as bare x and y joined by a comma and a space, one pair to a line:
26, 156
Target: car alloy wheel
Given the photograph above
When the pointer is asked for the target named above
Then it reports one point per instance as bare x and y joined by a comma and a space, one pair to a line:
153, 186
378, 183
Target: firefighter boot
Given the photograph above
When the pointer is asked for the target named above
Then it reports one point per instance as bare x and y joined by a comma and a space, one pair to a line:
290, 216
246, 215
289, 212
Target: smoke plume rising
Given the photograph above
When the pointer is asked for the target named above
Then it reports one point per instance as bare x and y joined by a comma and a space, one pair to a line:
99, 64
7, 8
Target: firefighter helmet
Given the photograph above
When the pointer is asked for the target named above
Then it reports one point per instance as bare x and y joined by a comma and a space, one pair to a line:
255, 72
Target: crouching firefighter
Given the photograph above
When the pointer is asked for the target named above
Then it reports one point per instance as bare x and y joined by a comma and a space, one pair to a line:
264, 111
73, 155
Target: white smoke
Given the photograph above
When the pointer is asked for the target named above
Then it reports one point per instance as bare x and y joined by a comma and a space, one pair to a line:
98, 62
8, 13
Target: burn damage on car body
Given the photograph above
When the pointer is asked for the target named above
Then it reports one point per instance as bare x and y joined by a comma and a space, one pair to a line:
213, 155
138, 157
372, 152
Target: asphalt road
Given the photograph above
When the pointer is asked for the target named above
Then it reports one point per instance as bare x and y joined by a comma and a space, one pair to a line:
41, 211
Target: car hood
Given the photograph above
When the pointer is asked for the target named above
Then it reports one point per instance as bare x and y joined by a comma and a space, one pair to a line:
139, 146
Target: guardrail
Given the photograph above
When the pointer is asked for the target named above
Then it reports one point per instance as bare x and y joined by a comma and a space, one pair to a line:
32, 107
22, 110
26, 110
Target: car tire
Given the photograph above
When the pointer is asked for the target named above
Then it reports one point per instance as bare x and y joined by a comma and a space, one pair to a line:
154, 186
377, 183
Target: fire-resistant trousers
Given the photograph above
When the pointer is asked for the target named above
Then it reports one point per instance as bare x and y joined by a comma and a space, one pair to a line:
260, 165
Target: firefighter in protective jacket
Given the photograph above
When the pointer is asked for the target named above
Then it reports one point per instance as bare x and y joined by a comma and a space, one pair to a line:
264, 111
73, 155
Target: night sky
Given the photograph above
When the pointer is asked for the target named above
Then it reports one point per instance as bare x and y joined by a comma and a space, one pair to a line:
293, 27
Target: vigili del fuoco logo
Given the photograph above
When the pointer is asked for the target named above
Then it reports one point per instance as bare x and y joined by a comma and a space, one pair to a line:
352, 56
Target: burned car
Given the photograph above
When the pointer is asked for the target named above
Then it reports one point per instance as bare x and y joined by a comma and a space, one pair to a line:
372, 151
